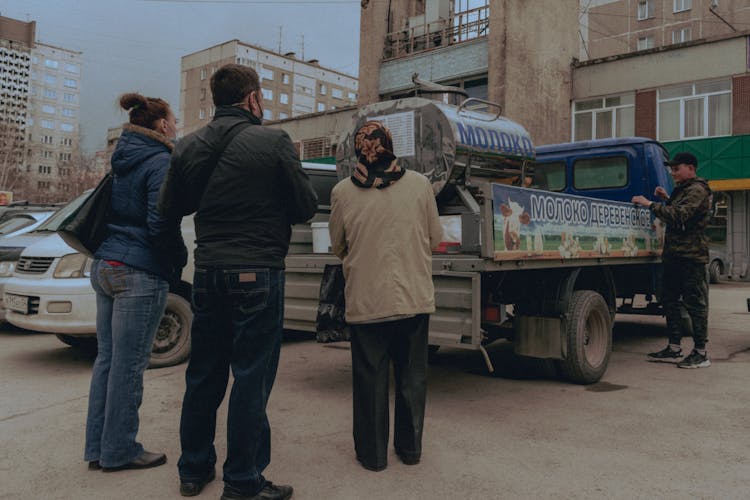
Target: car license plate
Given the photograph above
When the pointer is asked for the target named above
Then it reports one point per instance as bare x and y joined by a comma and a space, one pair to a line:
18, 303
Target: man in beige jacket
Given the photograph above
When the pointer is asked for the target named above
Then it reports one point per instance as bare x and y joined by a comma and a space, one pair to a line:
384, 223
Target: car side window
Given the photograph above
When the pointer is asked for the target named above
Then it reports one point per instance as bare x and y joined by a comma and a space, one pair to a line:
550, 176
600, 173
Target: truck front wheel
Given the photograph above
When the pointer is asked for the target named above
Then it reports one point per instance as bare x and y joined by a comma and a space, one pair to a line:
172, 341
588, 336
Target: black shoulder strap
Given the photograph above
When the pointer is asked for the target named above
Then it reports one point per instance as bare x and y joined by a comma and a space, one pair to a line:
230, 134
213, 160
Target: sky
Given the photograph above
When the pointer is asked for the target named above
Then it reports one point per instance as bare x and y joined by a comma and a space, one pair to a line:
136, 45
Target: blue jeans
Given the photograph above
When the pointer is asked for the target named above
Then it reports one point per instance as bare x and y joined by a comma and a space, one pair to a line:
237, 323
129, 307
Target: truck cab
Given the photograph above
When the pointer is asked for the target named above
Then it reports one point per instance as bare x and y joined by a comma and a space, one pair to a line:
612, 169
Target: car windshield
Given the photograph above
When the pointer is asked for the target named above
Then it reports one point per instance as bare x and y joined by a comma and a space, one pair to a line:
51, 224
15, 223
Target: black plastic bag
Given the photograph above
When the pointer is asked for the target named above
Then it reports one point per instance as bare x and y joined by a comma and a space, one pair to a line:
330, 325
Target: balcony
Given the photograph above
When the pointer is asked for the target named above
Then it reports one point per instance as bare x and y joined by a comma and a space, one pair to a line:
461, 27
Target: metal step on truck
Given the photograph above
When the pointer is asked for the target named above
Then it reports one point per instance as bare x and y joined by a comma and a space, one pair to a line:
542, 268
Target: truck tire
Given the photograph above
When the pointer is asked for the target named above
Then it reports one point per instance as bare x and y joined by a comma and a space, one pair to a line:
714, 271
589, 338
172, 340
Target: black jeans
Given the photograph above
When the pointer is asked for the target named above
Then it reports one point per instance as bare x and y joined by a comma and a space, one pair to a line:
685, 287
237, 322
374, 346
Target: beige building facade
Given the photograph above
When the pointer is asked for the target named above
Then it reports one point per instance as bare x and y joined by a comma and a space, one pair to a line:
291, 87
611, 27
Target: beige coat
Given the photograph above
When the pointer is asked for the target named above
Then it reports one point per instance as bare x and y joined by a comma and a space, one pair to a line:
384, 238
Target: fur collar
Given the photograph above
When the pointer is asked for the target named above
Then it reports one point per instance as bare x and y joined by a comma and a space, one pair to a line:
153, 134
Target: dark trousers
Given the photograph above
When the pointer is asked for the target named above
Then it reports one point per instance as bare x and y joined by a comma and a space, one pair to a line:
374, 346
237, 323
685, 287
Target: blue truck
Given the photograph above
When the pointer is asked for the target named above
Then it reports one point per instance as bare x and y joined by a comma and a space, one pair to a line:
536, 252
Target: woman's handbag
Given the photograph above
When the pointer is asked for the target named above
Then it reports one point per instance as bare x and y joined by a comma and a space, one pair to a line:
85, 229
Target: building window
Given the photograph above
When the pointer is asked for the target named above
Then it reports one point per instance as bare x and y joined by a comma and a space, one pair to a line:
267, 114
51, 63
646, 42
48, 124
65, 141
202, 114
283, 98
70, 113
43, 169
46, 108
322, 89
30, 121
283, 115
46, 154
67, 127
46, 139
604, 117
70, 98
337, 93
203, 94
321, 107
266, 74
50, 94
203, 73
646, 9
695, 110
682, 5
285, 78
42, 184
682, 35
50, 80
267, 94
72, 68
352, 96
69, 82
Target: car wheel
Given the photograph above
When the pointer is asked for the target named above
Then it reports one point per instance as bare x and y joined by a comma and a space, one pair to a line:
75, 341
714, 271
172, 341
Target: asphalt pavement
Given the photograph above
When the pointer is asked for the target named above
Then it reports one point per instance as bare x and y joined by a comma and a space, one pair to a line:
647, 430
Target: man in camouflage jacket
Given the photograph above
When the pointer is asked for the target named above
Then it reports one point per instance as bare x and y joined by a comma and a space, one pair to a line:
684, 286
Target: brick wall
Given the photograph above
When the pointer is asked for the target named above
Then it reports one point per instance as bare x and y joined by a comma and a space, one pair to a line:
645, 113
741, 105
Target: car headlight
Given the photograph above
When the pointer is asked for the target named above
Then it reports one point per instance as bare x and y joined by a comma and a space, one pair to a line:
7, 267
73, 265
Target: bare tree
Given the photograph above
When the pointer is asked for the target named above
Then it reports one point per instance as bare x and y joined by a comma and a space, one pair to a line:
12, 146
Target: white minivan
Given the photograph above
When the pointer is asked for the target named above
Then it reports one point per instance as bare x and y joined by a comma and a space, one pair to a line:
50, 291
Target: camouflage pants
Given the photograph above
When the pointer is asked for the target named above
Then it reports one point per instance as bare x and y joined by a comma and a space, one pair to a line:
685, 289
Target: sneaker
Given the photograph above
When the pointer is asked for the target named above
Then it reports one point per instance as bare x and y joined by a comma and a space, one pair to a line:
695, 360
665, 354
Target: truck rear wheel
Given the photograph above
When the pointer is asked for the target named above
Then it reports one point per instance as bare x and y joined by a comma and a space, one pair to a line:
589, 338
172, 340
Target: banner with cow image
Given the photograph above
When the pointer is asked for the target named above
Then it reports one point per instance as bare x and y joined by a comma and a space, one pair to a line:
535, 224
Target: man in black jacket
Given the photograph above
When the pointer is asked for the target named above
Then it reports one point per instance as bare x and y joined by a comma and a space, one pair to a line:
245, 207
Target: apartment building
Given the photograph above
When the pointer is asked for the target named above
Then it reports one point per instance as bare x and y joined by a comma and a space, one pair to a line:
40, 101
291, 86
16, 41
53, 130
611, 27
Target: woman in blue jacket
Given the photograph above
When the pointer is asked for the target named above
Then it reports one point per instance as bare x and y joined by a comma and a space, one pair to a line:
132, 268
